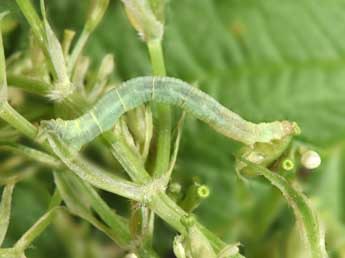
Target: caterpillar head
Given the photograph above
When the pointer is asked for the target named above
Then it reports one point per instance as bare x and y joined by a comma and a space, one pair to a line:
53, 127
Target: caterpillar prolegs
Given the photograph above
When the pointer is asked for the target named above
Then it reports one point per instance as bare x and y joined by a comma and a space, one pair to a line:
138, 91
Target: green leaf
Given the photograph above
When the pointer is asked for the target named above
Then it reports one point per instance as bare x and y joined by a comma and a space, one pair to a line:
327, 187
31, 153
330, 180
267, 65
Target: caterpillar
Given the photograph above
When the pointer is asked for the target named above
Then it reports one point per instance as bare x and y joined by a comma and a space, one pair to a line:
135, 92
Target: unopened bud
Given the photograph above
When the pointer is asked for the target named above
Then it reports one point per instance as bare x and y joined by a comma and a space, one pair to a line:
178, 248
146, 17
175, 187
311, 159
96, 13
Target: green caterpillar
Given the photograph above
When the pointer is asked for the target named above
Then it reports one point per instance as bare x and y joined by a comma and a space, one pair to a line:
136, 92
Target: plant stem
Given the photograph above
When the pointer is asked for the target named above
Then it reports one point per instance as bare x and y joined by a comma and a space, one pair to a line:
163, 123
24, 126
161, 204
16, 120
27, 238
3, 81
157, 58
130, 162
78, 48
28, 84
163, 111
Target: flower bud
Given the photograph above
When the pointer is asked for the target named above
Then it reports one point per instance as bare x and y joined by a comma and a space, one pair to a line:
178, 248
194, 197
311, 159
96, 13
147, 17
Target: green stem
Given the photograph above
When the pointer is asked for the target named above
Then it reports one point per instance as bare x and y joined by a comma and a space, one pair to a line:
28, 84
77, 50
128, 160
3, 81
16, 120
157, 58
30, 235
163, 124
307, 219
164, 114
171, 213
5, 210
32, 154
161, 204
55, 200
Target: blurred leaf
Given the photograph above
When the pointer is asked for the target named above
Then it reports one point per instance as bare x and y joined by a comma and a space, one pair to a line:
329, 189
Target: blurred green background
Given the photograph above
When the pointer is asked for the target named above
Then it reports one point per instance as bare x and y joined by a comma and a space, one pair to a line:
264, 59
